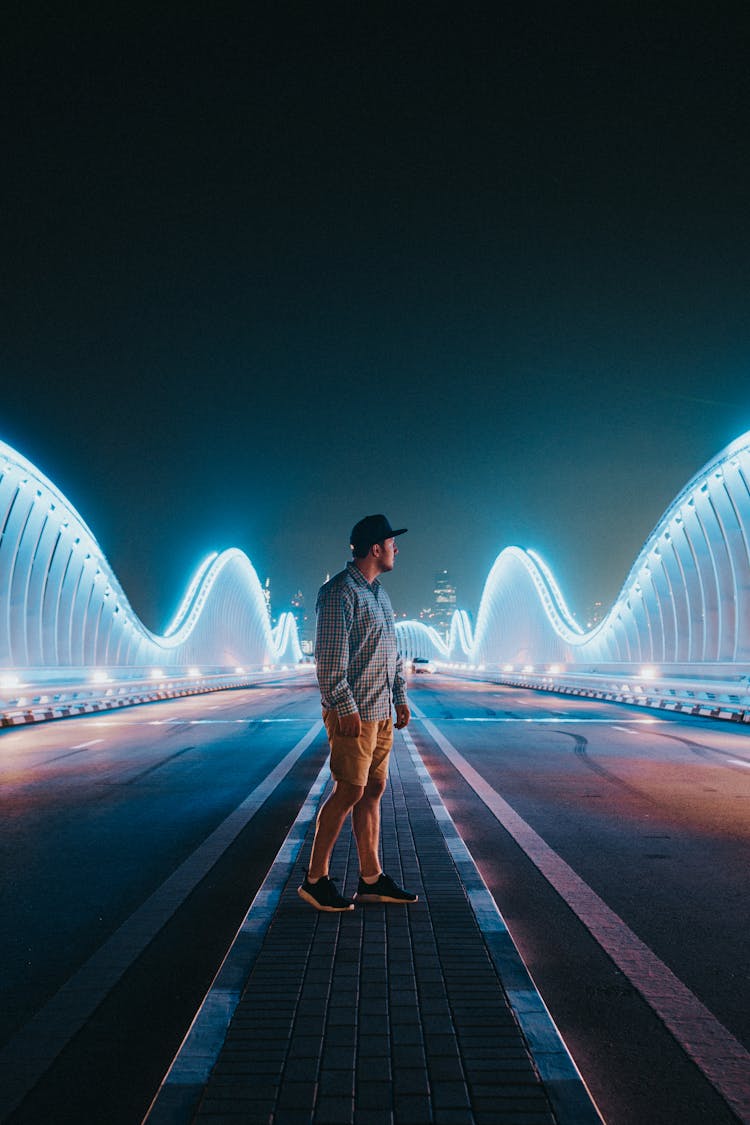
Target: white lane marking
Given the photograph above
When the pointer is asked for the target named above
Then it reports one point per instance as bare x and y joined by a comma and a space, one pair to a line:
245, 721
219, 722
542, 719
572, 1101
720, 1057
33, 1049
625, 730
197, 1055
739, 762
85, 745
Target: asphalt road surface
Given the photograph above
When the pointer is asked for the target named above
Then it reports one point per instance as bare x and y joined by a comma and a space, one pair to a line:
615, 841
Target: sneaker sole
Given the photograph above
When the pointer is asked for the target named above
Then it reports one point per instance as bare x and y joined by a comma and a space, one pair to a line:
385, 898
325, 909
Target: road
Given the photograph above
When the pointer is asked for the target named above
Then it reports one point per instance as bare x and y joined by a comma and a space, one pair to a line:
132, 844
651, 812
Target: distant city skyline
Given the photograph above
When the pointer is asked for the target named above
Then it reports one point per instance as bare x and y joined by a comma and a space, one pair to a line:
441, 602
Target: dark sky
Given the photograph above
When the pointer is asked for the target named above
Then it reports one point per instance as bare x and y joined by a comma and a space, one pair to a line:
271, 267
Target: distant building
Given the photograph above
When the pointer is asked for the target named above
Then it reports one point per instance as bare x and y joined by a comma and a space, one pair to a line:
444, 603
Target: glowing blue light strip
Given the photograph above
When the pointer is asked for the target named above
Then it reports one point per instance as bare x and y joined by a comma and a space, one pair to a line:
189, 595
65, 608
560, 604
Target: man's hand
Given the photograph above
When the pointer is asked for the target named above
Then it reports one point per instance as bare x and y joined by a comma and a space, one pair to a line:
350, 726
403, 714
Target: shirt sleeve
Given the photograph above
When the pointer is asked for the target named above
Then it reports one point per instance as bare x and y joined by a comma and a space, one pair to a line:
399, 682
332, 628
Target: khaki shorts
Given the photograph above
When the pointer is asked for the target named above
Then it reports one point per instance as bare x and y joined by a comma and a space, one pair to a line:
363, 759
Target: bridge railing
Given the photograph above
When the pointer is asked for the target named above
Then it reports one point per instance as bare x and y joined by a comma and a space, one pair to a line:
36, 694
718, 691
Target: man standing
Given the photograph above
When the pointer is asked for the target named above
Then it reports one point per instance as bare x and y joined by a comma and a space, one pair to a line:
361, 680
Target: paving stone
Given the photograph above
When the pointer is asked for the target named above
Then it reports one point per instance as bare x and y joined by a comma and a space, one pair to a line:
338, 1058
292, 1117
410, 1080
297, 1095
334, 1111
227, 1085
413, 1111
450, 1095
439, 1024
504, 1092
374, 1095
512, 1117
454, 1117
374, 1069
447, 1069
310, 1024
506, 1070
408, 1055
340, 1035
372, 1117
441, 1044
305, 1046
234, 1118
376, 1046
242, 1106
302, 1070
336, 1083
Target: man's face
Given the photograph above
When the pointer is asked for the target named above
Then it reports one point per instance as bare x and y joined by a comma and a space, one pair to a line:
385, 553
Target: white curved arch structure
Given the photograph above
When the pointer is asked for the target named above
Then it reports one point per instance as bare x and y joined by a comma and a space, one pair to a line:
685, 601
61, 605
417, 639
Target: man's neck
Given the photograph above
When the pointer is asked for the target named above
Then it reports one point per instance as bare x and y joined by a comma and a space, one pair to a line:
369, 568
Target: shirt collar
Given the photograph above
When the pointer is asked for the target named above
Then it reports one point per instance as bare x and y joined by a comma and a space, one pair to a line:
359, 577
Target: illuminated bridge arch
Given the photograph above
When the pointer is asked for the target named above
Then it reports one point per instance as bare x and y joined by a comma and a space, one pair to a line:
417, 639
61, 605
685, 601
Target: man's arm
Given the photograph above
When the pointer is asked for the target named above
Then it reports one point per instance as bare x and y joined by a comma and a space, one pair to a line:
332, 656
403, 714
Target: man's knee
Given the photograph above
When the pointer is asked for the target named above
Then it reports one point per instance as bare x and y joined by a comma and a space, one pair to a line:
347, 794
374, 789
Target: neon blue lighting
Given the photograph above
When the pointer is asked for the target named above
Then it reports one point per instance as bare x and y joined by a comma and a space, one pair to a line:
686, 599
190, 594
61, 605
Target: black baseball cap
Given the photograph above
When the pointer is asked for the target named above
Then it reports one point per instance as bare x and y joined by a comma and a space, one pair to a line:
372, 529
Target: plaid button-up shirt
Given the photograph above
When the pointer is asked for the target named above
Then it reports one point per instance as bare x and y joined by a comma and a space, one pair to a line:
358, 664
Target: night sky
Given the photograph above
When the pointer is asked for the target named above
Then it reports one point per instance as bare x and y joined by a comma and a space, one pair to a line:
269, 268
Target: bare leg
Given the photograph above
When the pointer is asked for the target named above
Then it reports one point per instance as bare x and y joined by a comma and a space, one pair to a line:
366, 825
330, 822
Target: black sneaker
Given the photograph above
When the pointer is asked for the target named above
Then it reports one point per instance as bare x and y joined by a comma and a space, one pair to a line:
323, 895
383, 890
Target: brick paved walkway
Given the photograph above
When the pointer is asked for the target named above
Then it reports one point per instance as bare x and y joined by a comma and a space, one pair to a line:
387, 1015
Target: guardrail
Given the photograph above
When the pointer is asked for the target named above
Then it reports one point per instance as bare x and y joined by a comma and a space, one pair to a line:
38, 695
711, 691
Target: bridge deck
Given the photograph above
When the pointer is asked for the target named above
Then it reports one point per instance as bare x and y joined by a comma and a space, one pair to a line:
386, 1015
